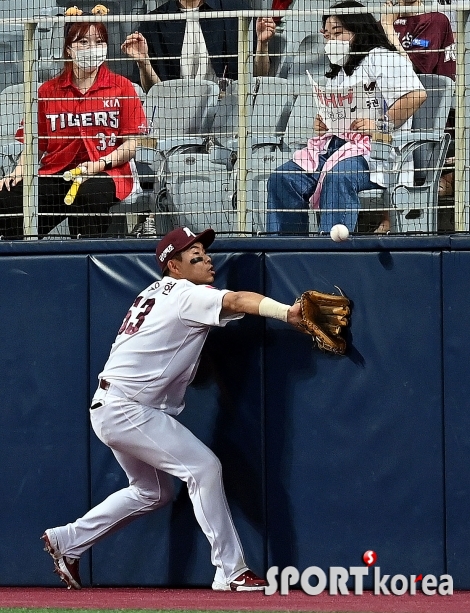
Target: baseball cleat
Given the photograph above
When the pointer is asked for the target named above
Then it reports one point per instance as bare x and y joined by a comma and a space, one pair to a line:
246, 582
65, 567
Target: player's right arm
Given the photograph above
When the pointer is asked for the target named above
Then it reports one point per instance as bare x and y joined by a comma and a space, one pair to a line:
252, 303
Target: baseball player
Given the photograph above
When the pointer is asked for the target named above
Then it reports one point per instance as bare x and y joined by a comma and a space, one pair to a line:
141, 391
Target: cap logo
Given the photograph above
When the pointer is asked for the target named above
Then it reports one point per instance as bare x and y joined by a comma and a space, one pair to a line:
188, 232
165, 252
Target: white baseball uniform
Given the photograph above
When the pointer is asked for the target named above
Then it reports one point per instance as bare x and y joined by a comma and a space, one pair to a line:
152, 361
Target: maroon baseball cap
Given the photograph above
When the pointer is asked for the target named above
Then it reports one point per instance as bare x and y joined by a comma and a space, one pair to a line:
179, 240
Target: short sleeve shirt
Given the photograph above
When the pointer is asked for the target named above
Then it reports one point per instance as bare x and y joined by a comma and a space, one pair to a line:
74, 128
157, 349
429, 41
385, 76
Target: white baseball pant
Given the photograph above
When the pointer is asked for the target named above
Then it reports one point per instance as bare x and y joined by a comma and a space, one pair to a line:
150, 446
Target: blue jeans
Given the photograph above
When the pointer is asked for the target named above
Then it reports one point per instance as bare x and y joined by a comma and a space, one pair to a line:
291, 188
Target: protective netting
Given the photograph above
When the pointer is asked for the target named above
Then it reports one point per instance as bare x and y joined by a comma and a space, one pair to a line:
254, 123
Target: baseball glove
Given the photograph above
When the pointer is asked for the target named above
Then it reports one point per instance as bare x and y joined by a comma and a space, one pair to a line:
324, 316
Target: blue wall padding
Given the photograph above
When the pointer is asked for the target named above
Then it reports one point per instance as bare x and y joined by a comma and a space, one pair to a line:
354, 444
223, 408
456, 292
43, 417
324, 457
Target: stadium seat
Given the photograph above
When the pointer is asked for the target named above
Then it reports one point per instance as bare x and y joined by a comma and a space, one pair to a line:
191, 187
269, 106
272, 100
11, 55
199, 184
303, 41
140, 92
181, 111
299, 127
308, 56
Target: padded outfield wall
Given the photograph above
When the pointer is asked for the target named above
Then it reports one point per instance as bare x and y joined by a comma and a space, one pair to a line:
324, 457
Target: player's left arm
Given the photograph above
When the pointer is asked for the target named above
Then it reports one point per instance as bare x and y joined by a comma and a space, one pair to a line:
252, 303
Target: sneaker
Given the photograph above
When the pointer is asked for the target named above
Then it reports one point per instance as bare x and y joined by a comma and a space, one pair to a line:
65, 567
149, 228
246, 582
137, 229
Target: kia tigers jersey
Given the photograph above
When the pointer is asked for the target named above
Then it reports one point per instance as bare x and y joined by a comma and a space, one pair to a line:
74, 128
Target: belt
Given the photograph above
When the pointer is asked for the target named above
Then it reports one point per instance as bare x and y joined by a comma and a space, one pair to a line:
103, 385
111, 388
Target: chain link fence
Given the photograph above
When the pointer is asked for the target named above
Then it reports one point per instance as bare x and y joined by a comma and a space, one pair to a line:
226, 118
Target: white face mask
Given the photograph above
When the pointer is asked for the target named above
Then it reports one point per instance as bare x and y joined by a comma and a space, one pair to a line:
91, 58
338, 51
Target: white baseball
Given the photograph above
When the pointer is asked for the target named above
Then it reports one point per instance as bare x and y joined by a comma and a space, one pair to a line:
339, 233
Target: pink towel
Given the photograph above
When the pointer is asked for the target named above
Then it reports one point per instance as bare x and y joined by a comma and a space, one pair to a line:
307, 158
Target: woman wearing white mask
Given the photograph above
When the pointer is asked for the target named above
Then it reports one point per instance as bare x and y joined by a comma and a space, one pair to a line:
362, 61
88, 117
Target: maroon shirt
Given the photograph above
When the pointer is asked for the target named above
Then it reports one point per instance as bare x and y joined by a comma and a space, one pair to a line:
428, 32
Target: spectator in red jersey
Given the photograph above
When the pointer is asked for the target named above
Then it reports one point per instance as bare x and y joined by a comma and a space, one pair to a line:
88, 117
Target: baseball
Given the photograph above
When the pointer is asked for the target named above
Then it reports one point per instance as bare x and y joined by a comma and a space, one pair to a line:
339, 233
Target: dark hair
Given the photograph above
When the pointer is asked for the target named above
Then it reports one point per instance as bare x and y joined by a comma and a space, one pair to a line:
368, 34
76, 31
178, 256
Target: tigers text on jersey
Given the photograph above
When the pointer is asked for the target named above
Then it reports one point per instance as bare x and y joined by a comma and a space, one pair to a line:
157, 348
74, 128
